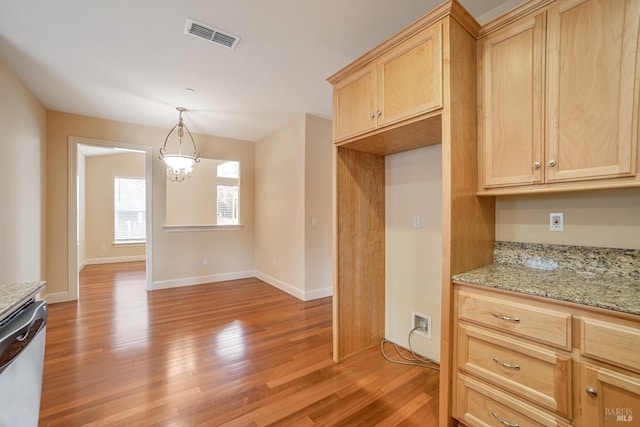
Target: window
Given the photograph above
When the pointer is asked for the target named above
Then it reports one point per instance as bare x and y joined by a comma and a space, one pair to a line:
129, 210
210, 198
228, 193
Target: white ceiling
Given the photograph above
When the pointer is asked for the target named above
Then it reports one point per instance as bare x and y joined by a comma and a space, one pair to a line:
130, 60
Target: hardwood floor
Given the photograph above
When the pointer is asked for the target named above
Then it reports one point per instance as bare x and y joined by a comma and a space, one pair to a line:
238, 353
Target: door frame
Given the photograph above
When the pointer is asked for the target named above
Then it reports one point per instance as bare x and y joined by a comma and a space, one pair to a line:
73, 287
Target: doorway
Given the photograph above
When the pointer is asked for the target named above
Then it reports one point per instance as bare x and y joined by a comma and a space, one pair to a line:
129, 241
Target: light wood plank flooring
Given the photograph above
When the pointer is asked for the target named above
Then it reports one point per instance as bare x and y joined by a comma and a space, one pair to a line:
238, 353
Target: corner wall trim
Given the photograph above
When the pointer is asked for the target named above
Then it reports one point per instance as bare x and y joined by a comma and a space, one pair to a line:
318, 293
200, 280
283, 286
292, 290
56, 297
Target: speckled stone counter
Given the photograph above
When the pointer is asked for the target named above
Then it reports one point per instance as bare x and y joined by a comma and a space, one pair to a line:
598, 277
13, 295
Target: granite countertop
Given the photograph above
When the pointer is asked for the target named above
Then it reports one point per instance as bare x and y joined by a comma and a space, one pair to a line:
610, 293
13, 295
598, 277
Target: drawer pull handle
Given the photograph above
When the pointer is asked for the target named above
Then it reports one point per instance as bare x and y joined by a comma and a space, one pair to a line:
506, 365
592, 392
503, 421
508, 319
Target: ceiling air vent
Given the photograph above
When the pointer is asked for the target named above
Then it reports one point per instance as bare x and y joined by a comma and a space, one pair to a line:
212, 34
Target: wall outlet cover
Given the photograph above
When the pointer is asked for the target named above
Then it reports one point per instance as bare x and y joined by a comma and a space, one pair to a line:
556, 221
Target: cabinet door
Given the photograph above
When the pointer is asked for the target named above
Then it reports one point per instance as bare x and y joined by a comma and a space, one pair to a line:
592, 89
410, 77
354, 100
511, 90
609, 398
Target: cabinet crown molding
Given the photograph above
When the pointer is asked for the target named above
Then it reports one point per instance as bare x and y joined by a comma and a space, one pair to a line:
449, 8
515, 14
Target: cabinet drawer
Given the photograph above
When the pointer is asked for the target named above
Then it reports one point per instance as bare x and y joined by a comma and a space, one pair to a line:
610, 342
532, 372
479, 404
507, 315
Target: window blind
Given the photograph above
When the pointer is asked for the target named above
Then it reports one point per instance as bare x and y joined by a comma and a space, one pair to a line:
129, 206
228, 193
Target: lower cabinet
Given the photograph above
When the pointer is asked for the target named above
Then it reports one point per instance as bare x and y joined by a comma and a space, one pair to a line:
608, 398
482, 405
584, 372
528, 371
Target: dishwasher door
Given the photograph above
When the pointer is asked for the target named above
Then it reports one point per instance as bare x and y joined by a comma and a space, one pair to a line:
21, 365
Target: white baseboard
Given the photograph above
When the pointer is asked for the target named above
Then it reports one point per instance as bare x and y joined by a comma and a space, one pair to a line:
292, 290
318, 293
283, 286
56, 297
199, 280
111, 260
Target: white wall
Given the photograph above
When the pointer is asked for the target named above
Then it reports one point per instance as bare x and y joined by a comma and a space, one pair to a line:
413, 256
22, 189
603, 218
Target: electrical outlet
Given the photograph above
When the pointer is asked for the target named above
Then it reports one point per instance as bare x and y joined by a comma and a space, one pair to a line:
423, 322
556, 221
416, 221
205, 261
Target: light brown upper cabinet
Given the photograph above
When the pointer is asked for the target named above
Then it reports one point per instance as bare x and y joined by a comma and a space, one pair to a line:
513, 132
402, 83
559, 98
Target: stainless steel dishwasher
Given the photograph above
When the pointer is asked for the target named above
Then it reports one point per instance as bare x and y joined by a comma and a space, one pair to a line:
21, 363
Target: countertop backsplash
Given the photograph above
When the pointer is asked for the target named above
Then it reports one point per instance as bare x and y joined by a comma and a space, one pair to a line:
608, 262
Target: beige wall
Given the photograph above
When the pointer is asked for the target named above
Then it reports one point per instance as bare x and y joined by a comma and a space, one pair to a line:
293, 186
318, 205
99, 232
177, 256
605, 218
22, 176
413, 258
198, 192
280, 223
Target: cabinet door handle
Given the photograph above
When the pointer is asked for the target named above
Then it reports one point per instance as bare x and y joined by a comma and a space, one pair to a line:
506, 423
379, 113
551, 163
592, 392
372, 115
508, 319
506, 365
536, 165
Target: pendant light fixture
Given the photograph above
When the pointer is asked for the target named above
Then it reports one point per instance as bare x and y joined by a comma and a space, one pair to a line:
179, 165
